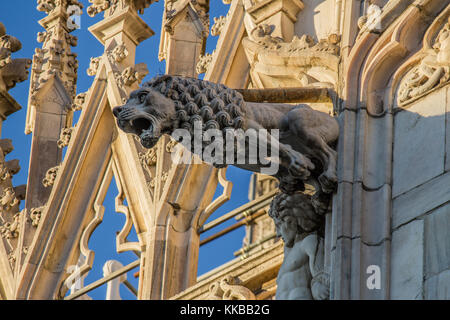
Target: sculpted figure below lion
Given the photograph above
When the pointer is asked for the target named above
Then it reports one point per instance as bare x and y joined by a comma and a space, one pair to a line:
167, 103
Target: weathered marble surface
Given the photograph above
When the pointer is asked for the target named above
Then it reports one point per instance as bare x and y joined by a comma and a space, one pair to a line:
419, 142
407, 261
420, 200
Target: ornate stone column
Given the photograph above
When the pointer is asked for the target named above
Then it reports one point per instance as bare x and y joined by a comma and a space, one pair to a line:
52, 89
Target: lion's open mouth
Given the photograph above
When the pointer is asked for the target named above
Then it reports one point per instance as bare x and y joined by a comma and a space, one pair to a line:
141, 124
145, 129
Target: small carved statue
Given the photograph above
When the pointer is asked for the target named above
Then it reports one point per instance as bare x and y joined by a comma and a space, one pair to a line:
302, 275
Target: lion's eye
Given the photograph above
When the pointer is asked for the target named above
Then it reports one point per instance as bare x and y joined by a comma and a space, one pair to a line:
142, 97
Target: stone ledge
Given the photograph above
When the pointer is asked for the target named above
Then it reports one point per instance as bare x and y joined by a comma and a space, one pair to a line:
249, 271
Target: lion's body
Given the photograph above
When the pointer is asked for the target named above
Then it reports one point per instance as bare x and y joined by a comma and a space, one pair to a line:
167, 103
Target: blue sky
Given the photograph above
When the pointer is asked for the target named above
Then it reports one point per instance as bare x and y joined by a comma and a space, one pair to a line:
20, 18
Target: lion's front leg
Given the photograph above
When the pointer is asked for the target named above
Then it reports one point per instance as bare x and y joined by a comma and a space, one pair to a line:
311, 131
297, 164
293, 163
328, 179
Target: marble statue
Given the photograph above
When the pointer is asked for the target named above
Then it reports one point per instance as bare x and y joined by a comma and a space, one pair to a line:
302, 275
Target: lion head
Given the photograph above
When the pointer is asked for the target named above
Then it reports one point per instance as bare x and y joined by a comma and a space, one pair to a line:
166, 103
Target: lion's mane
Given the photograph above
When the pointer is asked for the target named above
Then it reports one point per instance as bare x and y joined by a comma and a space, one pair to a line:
215, 105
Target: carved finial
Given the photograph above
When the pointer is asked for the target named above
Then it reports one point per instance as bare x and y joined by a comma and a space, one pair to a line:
12, 71
55, 57
112, 6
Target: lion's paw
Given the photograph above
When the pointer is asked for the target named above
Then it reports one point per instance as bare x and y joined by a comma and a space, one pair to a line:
300, 167
328, 182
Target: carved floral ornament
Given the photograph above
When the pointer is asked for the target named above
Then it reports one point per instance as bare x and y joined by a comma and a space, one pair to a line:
149, 159
262, 36
431, 71
8, 44
4, 173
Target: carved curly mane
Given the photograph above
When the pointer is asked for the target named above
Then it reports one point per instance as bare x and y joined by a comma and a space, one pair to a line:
217, 106
299, 206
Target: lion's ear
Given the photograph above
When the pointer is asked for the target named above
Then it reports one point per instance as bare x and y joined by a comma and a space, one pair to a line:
162, 78
155, 98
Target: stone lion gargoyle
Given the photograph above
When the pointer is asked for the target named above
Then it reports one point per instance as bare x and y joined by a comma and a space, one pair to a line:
167, 103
